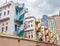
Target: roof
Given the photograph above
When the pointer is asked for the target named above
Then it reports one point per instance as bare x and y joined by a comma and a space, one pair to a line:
6, 4
53, 16
30, 17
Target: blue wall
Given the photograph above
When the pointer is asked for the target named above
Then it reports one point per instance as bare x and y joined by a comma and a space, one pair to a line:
44, 20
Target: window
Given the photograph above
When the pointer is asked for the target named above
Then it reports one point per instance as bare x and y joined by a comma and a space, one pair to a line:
0, 9
2, 29
16, 27
3, 24
6, 23
0, 14
31, 25
25, 26
28, 25
5, 8
8, 11
8, 6
6, 29
31, 32
31, 36
25, 34
4, 13
16, 10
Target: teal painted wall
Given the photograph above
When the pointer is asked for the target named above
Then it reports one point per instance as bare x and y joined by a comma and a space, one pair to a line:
19, 19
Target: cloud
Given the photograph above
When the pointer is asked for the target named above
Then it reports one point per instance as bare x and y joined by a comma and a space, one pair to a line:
38, 8
54, 3
48, 7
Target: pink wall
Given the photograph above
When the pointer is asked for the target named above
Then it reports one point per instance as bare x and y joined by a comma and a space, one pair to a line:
10, 41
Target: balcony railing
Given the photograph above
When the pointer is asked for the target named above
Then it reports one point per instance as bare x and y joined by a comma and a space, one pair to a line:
4, 18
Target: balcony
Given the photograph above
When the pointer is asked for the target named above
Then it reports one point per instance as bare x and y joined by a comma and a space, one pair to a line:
19, 15
19, 8
4, 18
19, 19
19, 30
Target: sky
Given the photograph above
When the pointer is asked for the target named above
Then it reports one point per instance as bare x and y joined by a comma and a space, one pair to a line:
38, 8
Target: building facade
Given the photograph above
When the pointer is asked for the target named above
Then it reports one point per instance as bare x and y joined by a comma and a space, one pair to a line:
29, 28
51, 24
57, 24
12, 18
54, 25
32, 28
